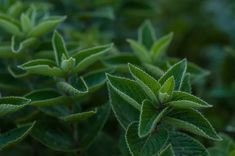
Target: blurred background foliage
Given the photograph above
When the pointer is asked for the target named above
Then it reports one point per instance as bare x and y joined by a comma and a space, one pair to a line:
204, 33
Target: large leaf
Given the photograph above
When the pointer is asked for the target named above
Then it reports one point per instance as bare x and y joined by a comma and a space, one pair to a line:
12, 104
149, 145
185, 145
14, 136
146, 34
150, 115
178, 71
87, 57
59, 47
140, 51
147, 82
186, 84
160, 46
54, 136
42, 67
128, 89
193, 121
46, 97
186, 100
124, 112
45, 26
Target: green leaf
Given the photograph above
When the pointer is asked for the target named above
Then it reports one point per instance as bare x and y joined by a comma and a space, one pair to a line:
178, 71
186, 84
146, 34
150, 115
128, 89
59, 47
55, 136
10, 25
27, 43
73, 90
146, 146
140, 51
124, 112
12, 104
14, 136
185, 145
168, 151
42, 67
46, 25
166, 90
147, 82
25, 22
193, 121
159, 48
87, 57
153, 70
186, 100
78, 117
46, 97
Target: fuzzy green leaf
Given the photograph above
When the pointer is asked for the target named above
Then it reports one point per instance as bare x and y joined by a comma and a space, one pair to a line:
140, 51
160, 46
12, 104
14, 136
149, 145
59, 47
27, 43
25, 22
46, 97
185, 145
46, 25
128, 89
153, 70
149, 117
166, 90
178, 71
146, 34
77, 117
186, 84
10, 25
186, 100
193, 121
42, 67
124, 112
147, 82
87, 57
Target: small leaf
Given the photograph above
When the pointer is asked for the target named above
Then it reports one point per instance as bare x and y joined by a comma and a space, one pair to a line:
146, 34
25, 21
71, 90
46, 97
168, 151
149, 117
147, 82
42, 67
14, 136
78, 117
124, 112
147, 146
185, 145
128, 89
89, 56
186, 100
140, 51
166, 90
46, 25
10, 25
193, 121
153, 70
177, 71
160, 46
12, 104
59, 47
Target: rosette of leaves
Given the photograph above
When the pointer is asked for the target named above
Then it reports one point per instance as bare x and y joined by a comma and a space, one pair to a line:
153, 111
150, 52
26, 24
